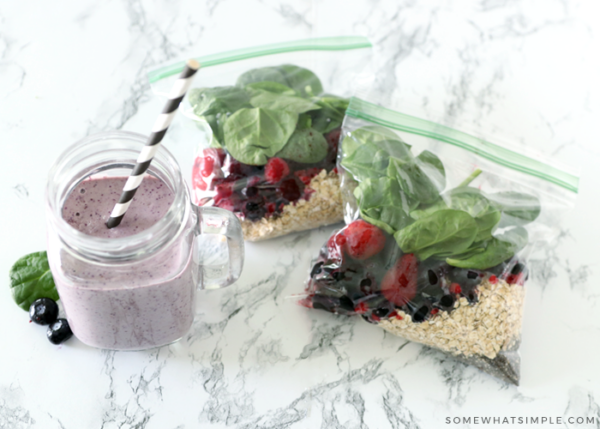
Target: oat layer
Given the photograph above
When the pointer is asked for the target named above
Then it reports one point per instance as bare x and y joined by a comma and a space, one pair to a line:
481, 331
324, 207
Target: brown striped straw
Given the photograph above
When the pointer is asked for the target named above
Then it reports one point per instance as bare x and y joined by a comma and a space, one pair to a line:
158, 132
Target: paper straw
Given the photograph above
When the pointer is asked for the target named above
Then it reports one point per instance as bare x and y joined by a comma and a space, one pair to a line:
158, 132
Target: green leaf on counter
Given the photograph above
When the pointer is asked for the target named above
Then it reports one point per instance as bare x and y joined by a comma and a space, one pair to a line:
31, 279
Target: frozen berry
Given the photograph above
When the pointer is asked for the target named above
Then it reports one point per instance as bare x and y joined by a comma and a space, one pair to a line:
399, 285
381, 312
446, 302
316, 269
43, 311
254, 209
493, 279
59, 331
290, 190
433, 278
363, 240
421, 314
361, 308
455, 288
276, 169
517, 269
346, 303
307, 175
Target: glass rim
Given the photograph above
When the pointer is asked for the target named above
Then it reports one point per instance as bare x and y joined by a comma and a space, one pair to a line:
70, 169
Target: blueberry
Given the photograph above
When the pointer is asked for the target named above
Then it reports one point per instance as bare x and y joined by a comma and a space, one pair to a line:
472, 297
433, 278
472, 274
59, 331
381, 312
321, 302
421, 314
446, 302
316, 269
250, 191
346, 303
517, 269
43, 311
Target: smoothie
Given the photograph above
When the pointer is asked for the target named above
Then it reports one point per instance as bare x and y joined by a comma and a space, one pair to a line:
129, 305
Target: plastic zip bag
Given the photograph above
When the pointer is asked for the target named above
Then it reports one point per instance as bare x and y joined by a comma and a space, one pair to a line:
269, 120
440, 227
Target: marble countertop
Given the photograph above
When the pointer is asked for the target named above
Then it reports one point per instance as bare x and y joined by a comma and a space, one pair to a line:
527, 71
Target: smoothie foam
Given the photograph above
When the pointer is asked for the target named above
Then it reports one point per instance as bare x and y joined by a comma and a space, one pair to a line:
133, 305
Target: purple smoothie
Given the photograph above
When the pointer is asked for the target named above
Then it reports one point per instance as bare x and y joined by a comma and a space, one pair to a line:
130, 305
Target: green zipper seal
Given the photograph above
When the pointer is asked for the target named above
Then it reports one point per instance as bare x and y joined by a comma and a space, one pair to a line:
341, 43
361, 109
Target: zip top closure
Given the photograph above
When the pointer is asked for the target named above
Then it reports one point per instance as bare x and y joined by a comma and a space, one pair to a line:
361, 109
341, 43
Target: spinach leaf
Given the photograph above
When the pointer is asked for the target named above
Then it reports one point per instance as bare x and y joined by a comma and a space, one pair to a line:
498, 249
383, 204
425, 210
220, 99
302, 80
413, 181
216, 123
517, 208
253, 135
306, 145
384, 139
331, 113
263, 74
472, 200
433, 168
30, 279
274, 87
443, 231
366, 161
274, 101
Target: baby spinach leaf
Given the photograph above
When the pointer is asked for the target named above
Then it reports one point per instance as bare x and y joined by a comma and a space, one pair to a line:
273, 101
413, 181
517, 208
425, 210
254, 135
366, 161
31, 279
274, 87
443, 231
433, 168
306, 145
498, 249
263, 74
302, 80
383, 204
220, 99
472, 200
331, 113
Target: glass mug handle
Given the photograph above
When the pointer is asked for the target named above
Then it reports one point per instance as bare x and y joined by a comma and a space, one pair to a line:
218, 247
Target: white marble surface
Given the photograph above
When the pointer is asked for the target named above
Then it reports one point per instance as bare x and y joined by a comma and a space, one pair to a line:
527, 71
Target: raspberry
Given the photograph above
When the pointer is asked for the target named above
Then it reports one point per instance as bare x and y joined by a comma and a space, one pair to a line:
224, 190
493, 280
209, 160
435, 311
399, 285
363, 240
333, 249
307, 175
276, 169
361, 308
197, 181
455, 288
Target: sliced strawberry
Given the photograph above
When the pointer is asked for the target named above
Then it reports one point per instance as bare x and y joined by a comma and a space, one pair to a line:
399, 285
276, 169
363, 240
